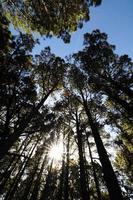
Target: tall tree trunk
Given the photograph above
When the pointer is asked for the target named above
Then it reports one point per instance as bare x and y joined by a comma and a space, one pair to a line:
46, 191
109, 175
61, 184
13, 163
94, 172
30, 181
37, 182
5, 146
83, 183
66, 181
11, 192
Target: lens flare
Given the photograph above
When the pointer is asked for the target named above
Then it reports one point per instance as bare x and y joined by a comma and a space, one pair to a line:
56, 152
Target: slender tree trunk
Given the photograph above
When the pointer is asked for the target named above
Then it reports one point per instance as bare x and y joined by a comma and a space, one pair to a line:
94, 172
12, 160
11, 192
46, 191
10, 169
109, 175
66, 181
37, 182
83, 183
29, 183
61, 185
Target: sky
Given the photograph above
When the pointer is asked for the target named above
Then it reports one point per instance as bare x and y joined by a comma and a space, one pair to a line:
114, 17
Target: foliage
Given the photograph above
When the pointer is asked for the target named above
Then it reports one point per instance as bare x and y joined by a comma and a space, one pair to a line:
87, 104
58, 17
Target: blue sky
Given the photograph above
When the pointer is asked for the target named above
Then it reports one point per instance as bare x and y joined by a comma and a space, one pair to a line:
115, 17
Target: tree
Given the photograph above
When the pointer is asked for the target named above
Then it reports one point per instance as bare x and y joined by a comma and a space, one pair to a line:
17, 86
19, 103
58, 18
107, 72
109, 175
94, 171
83, 108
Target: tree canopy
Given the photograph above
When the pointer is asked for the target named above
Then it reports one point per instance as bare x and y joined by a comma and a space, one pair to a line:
58, 18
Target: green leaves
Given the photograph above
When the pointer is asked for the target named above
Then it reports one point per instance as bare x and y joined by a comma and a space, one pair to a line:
58, 17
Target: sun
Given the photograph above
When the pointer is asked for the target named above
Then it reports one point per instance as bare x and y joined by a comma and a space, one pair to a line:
56, 152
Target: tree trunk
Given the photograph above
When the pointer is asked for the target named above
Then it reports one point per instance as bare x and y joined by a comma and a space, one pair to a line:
11, 168
94, 172
11, 192
29, 183
109, 175
83, 183
66, 181
46, 191
61, 185
37, 182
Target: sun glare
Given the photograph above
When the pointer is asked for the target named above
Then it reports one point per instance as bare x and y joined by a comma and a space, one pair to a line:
56, 152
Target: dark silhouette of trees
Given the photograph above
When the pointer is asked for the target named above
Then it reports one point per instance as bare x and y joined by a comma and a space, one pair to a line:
80, 102
19, 103
109, 175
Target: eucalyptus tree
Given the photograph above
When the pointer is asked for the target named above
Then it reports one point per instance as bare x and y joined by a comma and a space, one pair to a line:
17, 89
63, 113
110, 75
20, 99
13, 187
84, 94
58, 17
70, 106
107, 72
14, 162
87, 89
